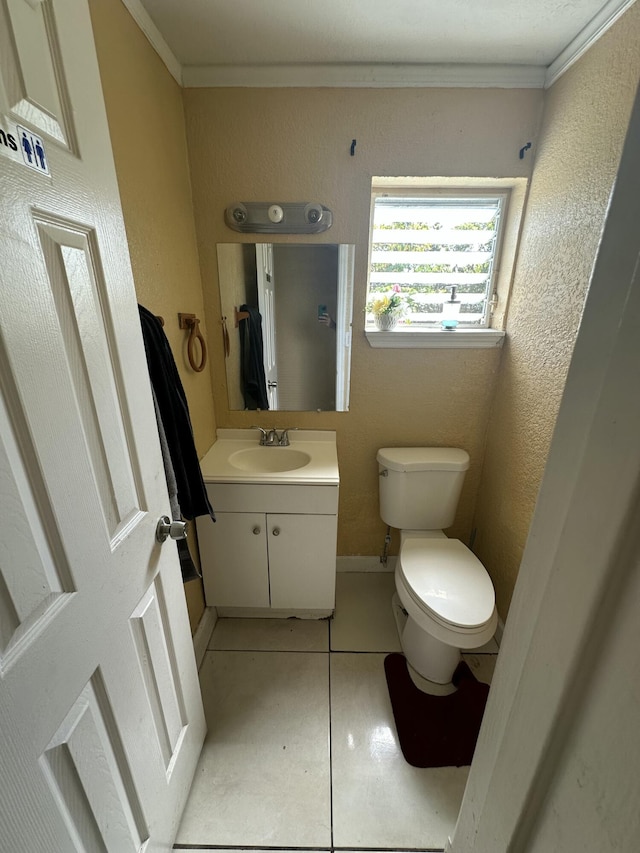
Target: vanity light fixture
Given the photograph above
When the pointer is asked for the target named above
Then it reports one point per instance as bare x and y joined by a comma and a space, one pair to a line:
268, 217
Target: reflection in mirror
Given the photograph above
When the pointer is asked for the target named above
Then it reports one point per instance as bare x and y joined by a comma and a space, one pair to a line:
301, 296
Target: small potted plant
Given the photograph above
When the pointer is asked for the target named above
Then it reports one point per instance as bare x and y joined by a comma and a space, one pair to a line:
386, 309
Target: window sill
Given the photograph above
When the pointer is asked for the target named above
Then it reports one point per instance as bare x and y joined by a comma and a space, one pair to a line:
415, 338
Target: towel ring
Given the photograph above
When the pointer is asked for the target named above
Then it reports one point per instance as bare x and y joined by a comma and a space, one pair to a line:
192, 323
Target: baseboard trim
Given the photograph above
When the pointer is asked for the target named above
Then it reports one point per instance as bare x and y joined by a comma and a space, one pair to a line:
272, 613
203, 633
365, 564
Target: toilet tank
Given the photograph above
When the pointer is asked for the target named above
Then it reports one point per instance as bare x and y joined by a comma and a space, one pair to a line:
420, 486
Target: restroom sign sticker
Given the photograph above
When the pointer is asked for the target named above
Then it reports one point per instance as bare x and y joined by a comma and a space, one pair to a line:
23, 146
33, 152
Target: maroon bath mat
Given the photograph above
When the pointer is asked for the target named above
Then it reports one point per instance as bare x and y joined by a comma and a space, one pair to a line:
436, 731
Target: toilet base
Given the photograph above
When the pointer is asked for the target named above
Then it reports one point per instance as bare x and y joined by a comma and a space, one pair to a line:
430, 658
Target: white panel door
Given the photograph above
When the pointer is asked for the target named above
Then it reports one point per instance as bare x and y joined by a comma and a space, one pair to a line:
344, 313
267, 307
101, 719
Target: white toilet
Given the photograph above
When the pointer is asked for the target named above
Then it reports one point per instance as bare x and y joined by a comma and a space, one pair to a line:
443, 587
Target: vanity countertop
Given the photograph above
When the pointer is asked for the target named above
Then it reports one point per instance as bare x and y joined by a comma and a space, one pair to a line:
237, 457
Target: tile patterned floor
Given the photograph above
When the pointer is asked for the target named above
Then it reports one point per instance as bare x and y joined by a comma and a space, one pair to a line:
302, 749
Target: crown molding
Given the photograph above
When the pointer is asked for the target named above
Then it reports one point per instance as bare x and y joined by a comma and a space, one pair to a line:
155, 38
586, 38
366, 76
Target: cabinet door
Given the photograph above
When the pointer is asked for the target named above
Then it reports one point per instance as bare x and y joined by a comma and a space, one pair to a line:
234, 560
302, 560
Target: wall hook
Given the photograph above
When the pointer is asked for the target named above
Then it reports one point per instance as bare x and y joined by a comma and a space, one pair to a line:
353, 147
239, 316
523, 149
192, 323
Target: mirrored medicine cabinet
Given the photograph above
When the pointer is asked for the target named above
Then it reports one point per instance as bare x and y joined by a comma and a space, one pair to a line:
303, 294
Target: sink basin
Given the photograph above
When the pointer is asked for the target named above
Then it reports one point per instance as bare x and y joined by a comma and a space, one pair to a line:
268, 460
238, 457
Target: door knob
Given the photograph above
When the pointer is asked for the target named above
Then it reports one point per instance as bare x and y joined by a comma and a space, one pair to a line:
256, 530
167, 529
276, 531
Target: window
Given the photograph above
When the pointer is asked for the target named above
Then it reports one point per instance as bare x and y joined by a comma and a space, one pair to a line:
437, 248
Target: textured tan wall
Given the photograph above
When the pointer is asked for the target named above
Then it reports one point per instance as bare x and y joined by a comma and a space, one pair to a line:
577, 155
290, 145
146, 122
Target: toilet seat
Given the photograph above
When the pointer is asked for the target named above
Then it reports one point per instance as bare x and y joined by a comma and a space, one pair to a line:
448, 583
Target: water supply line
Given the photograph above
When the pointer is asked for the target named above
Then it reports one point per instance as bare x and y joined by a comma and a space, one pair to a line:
387, 541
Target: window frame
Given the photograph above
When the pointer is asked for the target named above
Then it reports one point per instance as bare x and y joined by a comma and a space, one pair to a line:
514, 191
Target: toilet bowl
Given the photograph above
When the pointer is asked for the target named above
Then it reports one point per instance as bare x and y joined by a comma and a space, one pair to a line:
443, 587
449, 600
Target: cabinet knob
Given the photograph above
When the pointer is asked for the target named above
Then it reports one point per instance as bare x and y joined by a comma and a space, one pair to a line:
256, 530
276, 531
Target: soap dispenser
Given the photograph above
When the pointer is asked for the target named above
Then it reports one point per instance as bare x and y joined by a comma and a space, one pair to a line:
450, 311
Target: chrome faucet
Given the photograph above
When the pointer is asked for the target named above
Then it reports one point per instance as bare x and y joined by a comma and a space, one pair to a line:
270, 438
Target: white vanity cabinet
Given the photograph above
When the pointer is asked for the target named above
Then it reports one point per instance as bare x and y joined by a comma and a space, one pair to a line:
273, 548
235, 562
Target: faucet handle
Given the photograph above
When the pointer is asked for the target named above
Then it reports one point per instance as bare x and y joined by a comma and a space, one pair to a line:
264, 436
284, 436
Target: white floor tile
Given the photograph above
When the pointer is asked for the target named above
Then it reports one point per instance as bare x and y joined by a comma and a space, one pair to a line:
264, 776
378, 799
273, 635
249, 791
364, 621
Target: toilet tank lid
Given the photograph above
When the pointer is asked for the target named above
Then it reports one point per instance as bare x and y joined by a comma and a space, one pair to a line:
423, 458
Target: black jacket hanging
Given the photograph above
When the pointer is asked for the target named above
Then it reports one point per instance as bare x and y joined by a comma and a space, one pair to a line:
254, 385
174, 411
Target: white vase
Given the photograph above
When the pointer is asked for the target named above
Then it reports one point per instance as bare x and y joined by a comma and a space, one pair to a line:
385, 322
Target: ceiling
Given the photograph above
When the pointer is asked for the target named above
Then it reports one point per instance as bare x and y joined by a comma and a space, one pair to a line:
371, 42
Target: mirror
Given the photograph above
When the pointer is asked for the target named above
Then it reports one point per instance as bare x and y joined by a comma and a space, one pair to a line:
293, 339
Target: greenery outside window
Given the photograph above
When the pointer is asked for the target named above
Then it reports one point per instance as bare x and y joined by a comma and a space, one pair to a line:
436, 252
